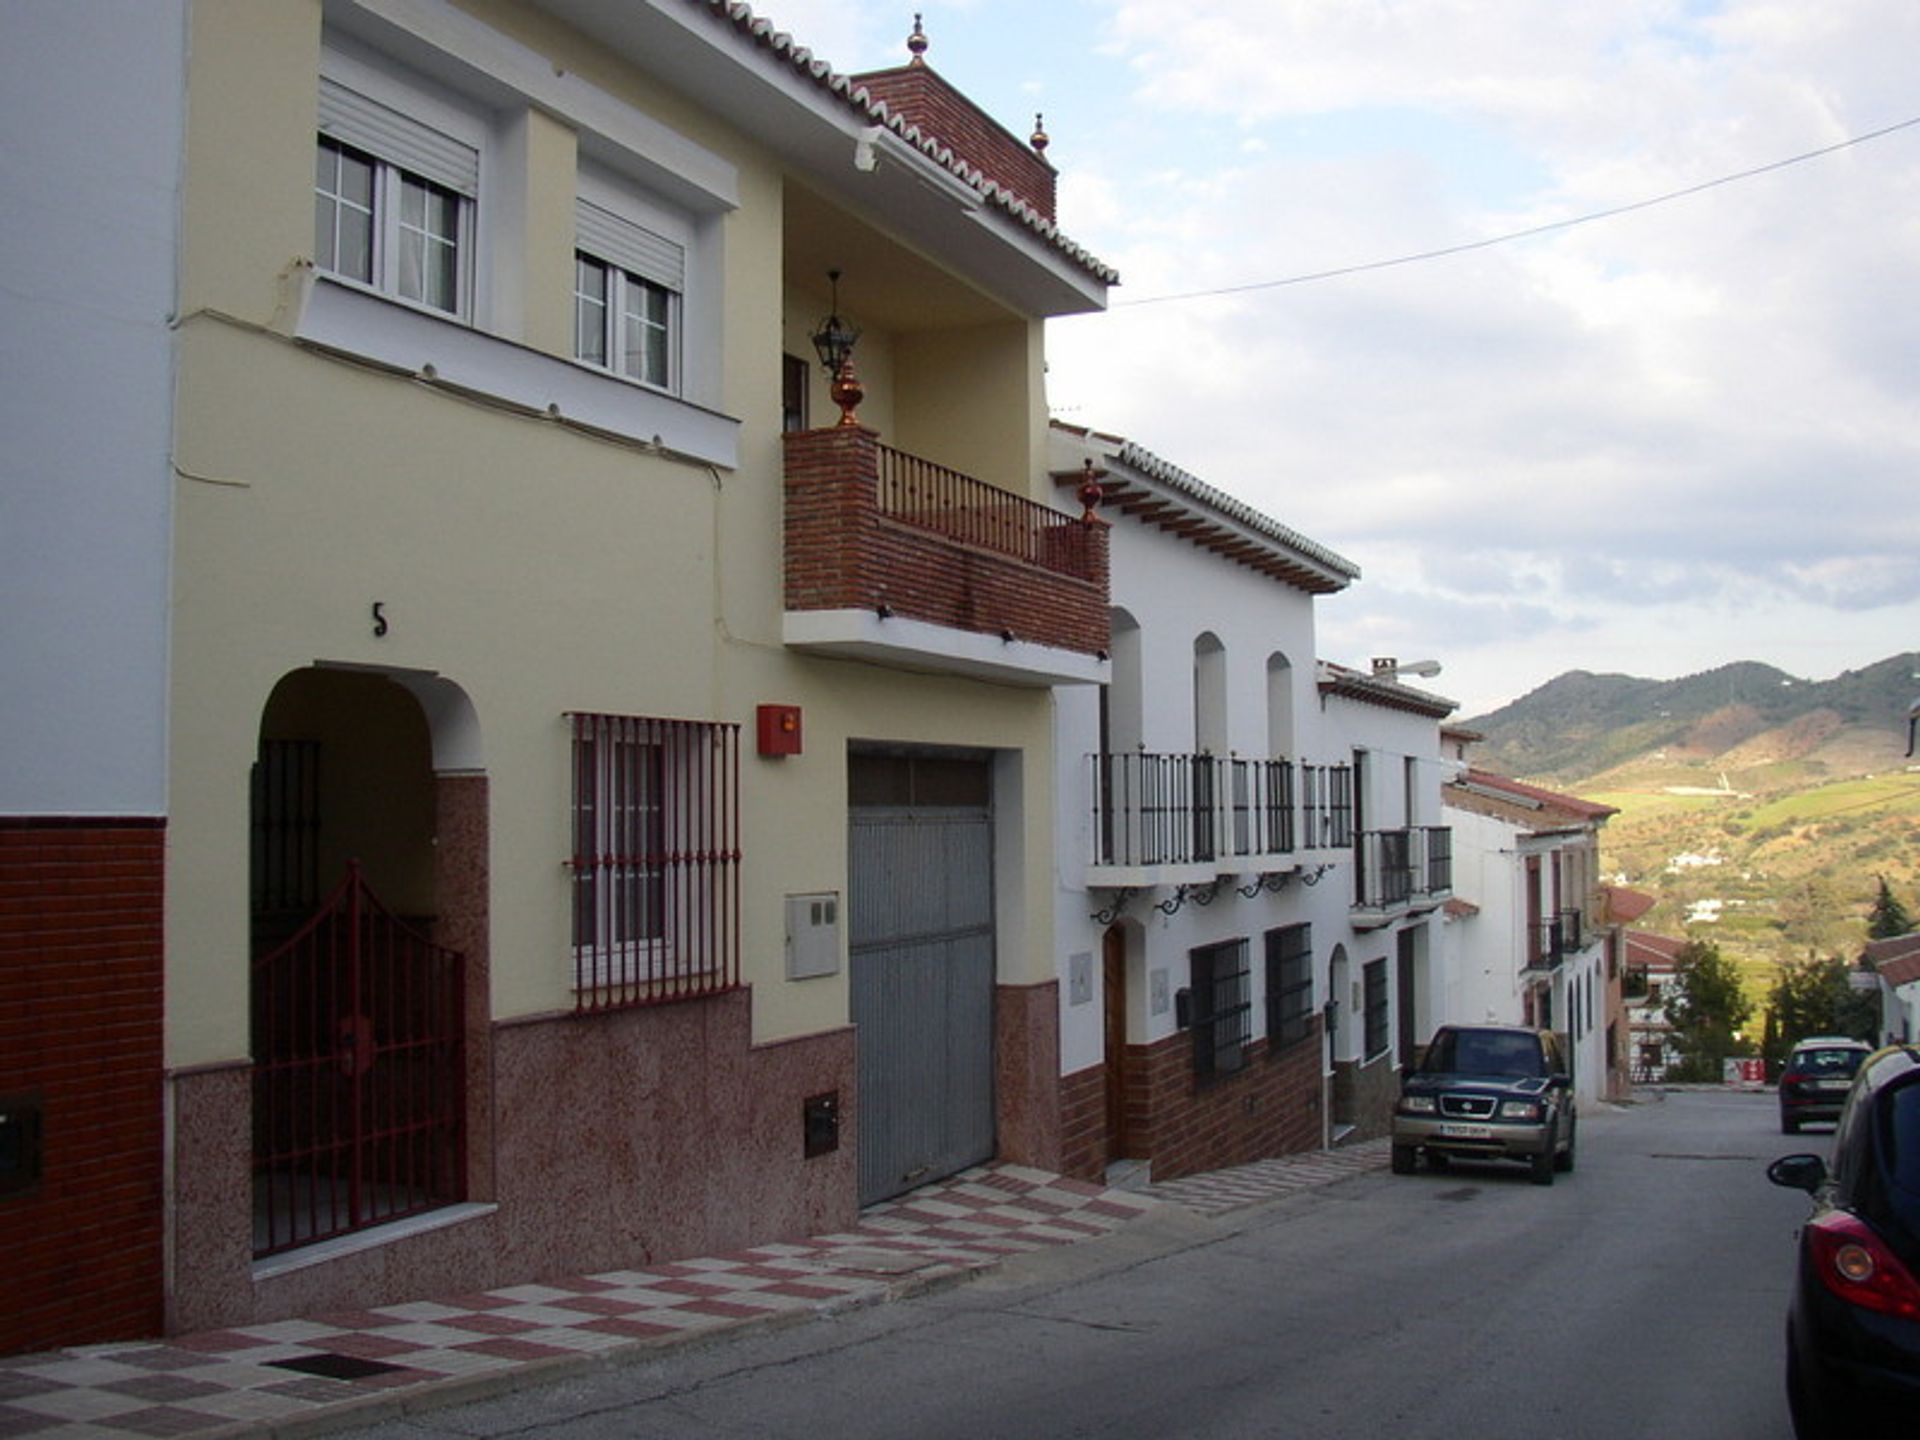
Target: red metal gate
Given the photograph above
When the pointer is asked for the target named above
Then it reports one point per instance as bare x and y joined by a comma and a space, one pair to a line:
359, 1088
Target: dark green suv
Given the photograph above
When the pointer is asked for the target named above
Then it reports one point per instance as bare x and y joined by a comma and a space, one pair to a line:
1488, 1092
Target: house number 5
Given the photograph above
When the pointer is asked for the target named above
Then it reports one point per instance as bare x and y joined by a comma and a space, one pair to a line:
379, 618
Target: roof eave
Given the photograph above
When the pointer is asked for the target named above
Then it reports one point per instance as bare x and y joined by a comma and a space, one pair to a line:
824, 127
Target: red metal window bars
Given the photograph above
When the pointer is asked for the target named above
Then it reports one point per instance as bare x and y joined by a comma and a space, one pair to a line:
656, 860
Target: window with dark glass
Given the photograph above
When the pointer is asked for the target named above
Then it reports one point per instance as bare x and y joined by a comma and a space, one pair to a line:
1222, 1003
1374, 1006
1289, 985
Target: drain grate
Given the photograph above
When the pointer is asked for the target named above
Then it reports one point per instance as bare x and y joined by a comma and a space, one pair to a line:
337, 1367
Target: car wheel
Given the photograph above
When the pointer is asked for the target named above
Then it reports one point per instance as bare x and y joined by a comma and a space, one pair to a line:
1403, 1156
1563, 1162
1540, 1168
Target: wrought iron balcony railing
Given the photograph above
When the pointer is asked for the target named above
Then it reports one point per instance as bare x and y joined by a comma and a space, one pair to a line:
1398, 869
1160, 810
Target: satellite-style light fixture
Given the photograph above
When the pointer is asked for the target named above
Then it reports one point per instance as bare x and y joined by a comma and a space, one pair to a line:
834, 342
1387, 668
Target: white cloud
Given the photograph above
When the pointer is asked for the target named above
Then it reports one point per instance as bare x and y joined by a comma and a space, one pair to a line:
1690, 428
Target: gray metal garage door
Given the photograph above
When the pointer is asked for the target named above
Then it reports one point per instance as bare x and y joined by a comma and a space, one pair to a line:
921, 957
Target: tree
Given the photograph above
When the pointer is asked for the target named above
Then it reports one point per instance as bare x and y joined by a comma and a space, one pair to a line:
1706, 1005
1815, 997
1888, 917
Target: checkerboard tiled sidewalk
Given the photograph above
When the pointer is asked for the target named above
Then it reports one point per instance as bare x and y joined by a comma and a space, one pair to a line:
305, 1376
1219, 1191
297, 1374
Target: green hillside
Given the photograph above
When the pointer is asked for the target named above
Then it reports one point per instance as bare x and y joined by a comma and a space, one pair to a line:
1759, 809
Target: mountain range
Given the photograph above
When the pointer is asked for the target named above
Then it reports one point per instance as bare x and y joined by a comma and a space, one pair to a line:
1748, 718
1759, 809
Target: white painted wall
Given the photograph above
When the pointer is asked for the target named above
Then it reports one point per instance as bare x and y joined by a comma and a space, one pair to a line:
1484, 985
91, 103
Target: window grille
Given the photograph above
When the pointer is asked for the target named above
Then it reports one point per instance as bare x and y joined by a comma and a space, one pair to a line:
1289, 985
1374, 1009
286, 828
1221, 1008
656, 860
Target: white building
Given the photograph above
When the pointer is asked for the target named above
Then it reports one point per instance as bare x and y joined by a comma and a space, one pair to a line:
1897, 963
1248, 846
1536, 950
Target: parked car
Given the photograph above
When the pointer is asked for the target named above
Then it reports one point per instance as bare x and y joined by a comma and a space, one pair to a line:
1853, 1327
1813, 1085
1488, 1092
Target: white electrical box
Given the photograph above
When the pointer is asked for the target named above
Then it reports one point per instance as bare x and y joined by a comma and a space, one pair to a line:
813, 935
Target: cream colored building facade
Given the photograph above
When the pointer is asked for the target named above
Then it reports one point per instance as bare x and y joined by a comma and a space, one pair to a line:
498, 433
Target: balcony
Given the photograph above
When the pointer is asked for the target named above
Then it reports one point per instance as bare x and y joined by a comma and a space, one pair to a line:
1326, 808
1188, 819
1400, 872
897, 561
1553, 940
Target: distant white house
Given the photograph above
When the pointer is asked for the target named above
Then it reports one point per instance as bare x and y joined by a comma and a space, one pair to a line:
1897, 963
1652, 962
1535, 950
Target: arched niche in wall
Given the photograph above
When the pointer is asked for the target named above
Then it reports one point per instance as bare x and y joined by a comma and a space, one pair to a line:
1123, 698
1280, 741
1209, 694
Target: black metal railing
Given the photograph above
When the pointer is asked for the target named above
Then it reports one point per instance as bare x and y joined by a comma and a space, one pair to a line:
1438, 870
1326, 806
1187, 809
1399, 868
974, 512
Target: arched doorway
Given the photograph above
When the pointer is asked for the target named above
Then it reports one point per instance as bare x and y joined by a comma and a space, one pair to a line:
367, 888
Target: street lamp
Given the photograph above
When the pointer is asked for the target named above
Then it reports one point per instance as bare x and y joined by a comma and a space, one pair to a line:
834, 342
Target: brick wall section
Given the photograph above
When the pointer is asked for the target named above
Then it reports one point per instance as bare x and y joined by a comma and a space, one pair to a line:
1083, 1123
1184, 1126
920, 97
80, 1029
1365, 1094
843, 554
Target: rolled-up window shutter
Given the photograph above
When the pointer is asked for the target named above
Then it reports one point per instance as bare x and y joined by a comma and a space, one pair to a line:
353, 119
633, 248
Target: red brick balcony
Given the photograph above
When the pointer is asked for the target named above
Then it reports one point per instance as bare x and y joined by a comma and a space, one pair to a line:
901, 562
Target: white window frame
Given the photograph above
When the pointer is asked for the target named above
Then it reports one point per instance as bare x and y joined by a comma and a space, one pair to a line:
411, 135
640, 244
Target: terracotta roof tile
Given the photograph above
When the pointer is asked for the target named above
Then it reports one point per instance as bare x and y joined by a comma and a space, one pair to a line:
1655, 952
1627, 906
1902, 971
1571, 805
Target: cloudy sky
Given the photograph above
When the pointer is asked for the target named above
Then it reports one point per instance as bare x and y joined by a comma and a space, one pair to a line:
1653, 443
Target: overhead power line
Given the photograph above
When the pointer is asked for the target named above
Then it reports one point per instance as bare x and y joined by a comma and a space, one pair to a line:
1530, 231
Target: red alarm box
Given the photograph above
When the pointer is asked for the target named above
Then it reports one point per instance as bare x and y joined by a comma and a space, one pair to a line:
779, 729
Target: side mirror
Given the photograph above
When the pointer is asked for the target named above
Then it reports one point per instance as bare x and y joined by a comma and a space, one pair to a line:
1798, 1172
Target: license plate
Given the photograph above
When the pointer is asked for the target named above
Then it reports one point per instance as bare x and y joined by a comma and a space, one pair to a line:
1466, 1132
1831, 1084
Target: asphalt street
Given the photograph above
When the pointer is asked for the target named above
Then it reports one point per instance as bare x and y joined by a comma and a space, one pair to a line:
1640, 1296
